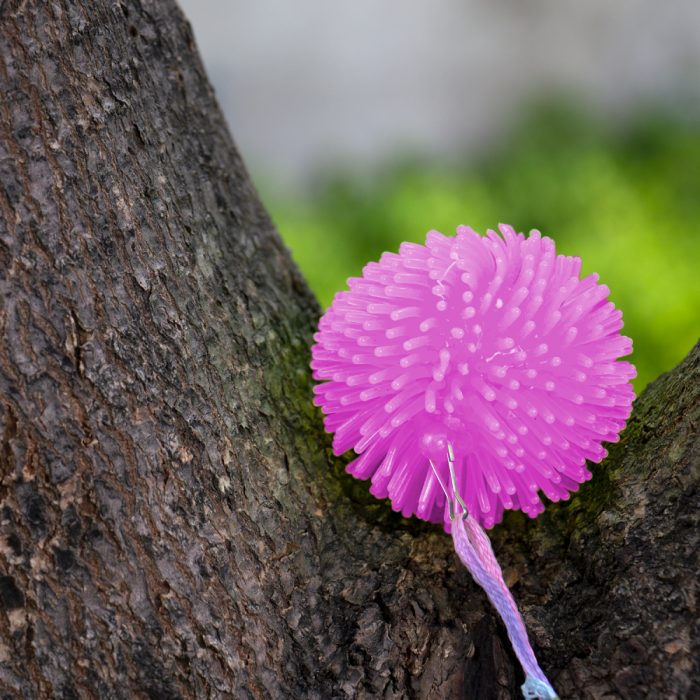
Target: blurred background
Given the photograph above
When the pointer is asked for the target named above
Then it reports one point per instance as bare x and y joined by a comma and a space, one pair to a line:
367, 123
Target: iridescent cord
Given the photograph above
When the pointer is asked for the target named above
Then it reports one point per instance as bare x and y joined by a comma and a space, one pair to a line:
474, 549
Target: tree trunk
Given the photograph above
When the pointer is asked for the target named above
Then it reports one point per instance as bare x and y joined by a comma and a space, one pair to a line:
173, 521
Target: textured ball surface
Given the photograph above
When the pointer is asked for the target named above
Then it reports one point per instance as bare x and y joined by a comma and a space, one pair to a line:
491, 344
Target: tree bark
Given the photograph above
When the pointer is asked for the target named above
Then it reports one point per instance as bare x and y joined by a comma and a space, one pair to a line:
173, 523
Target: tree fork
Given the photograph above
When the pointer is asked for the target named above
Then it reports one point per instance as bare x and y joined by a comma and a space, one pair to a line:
173, 523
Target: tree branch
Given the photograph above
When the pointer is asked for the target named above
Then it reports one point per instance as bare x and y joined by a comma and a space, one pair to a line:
173, 521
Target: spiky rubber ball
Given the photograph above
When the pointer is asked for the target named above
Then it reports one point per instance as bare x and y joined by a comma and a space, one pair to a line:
491, 344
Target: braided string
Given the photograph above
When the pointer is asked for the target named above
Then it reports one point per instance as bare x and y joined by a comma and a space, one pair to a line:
474, 549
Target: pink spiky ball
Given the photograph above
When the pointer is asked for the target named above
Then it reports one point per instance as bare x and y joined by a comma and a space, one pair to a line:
493, 345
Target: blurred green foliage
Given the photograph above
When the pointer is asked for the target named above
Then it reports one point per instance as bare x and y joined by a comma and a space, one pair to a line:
627, 202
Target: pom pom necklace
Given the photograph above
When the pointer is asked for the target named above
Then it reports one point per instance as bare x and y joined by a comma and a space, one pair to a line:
469, 374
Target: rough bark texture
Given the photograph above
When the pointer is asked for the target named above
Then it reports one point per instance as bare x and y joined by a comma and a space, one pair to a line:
173, 523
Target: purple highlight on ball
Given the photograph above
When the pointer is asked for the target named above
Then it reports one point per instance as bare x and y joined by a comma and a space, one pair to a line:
493, 345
